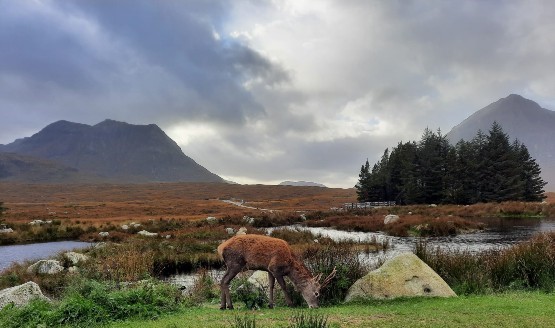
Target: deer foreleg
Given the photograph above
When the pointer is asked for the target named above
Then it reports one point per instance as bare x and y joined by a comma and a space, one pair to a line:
281, 283
271, 283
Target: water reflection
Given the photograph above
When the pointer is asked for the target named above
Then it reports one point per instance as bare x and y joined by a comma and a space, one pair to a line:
499, 233
37, 251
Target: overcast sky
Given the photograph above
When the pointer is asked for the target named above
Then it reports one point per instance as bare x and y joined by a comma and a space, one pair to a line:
266, 91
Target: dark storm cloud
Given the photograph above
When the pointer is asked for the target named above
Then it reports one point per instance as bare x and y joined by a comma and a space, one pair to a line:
136, 61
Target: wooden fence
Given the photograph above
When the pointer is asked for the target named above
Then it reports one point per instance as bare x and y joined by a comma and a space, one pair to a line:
352, 206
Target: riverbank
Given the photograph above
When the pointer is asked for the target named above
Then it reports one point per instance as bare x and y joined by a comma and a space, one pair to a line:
515, 309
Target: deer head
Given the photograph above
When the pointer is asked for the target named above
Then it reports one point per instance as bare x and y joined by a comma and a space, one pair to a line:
311, 291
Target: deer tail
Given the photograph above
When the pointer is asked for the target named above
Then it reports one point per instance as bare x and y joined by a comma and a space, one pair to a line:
221, 250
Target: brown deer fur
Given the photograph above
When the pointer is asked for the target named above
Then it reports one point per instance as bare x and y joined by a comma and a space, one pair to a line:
256, 252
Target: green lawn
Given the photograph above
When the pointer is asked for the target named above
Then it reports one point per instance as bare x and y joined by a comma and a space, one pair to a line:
516, 309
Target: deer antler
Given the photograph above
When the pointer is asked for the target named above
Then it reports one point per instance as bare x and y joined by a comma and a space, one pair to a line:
328, 278
317, 277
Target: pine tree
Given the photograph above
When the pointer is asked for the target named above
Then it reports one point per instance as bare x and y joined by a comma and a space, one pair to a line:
486, 169
433, 150
363, 184
530, 175
402, 173
503, 176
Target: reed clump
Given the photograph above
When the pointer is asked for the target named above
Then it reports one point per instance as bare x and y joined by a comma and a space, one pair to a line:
345, 259
528, 265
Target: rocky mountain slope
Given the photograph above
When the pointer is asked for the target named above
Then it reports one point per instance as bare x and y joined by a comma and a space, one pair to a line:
113, 151
521, 119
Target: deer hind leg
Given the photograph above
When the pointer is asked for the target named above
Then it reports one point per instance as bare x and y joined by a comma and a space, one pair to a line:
271, 283
231, 272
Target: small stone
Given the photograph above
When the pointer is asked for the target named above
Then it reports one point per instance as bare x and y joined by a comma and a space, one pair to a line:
147, 234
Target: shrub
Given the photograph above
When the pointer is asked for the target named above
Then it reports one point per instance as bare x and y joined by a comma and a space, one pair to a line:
203, 288
345, 259
89, 303
254, 296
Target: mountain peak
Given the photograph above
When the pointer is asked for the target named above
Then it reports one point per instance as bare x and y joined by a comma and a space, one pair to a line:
114, 150
521, 119
514, 102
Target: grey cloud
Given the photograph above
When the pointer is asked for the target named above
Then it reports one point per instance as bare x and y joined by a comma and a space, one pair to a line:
139, 61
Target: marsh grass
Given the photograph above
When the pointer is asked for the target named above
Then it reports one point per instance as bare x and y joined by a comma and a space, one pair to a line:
204, 288
347, 262
528, 265
131, 261
244, 321
304, 319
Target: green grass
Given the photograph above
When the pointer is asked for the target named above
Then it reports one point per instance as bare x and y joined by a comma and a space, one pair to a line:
515, 309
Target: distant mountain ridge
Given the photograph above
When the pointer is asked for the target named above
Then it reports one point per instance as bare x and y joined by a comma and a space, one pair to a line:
521, 119
113, 151
302, 184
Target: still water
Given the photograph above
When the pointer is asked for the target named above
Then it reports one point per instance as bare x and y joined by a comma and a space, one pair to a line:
499, 233
38, 251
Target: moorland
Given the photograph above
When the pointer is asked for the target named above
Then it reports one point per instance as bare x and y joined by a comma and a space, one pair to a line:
191, 219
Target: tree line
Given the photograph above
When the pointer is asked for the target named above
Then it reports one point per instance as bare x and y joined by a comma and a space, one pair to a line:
488, 168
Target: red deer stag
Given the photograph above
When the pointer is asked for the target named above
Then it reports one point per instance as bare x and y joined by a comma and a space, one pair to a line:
256, 252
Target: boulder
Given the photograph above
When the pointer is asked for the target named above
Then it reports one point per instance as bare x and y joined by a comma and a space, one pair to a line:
125, 227
260, 279
211, 220
402, 276
241, 231
390, 218
76, 258
21, 295
6, 230
104, 234
46, 267
230, 231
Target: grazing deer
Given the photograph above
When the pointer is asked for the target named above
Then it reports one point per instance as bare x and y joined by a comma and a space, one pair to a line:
256, 252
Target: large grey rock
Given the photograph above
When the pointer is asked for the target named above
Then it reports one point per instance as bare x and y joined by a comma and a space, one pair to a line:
404, 275
241, 231
76, 258
390, 218
46, 267
21, 295
260, 279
